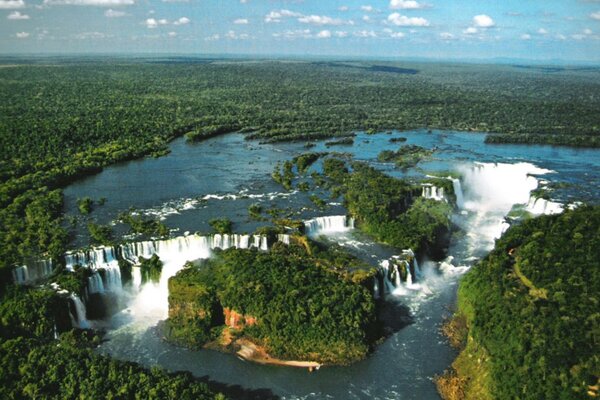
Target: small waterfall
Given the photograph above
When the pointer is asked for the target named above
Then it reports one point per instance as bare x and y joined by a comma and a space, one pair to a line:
284, 238
95, 284
409, 279
136, 277
540, 206
433, 192
79, 320
460, 202
32, 272
330, 224
20, 275
376, 287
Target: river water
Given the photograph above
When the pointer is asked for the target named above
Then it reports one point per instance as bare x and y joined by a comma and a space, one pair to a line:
222, 176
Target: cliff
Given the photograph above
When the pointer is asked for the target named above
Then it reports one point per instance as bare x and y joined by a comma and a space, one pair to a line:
530, 310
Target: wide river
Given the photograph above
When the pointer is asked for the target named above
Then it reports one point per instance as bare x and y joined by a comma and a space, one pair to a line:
222, 176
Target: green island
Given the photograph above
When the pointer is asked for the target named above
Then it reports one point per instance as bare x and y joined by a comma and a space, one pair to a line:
527, 321
296, 302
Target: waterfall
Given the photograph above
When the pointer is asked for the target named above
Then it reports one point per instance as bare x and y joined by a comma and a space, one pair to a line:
284, 238
95, 284
433, 192
32, 272
136, 277
330, 224
79, 320
539, 206
460, 202
491, 190
409, 279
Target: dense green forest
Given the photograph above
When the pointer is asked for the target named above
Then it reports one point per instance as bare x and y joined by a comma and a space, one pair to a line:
61, 119
531, 309
306, 303
35, 365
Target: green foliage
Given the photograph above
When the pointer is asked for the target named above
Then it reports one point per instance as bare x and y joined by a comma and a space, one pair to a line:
406, 156
255, 210
151, 269
85, 205
556, 140
139, 224
95, 114
221, 225
347, 141
101, 234
304, 309
28, 313
206, 132
304, 161
387, 210
69, 370
533, 305
317, 201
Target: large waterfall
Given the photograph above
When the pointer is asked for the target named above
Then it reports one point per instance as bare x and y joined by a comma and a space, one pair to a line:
32, 272
330, 224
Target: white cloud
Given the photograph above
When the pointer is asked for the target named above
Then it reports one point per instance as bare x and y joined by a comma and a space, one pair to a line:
99, 3
343, 8
595, 15
241, 21
525, 36
405, 4
542, 31
365, 34
16, 15
211, 38
110, 13
182, 21
366, 18
153, 23
587, 31
172, 34
320, 20
483, 21
561, 37
324, 34
446, 36
366, 8
11, 4
298, 33
397, 35
276, 16
22, 35
578, 36
91, 35
470, 30
341, 34
243, 1
234, 36
401, 20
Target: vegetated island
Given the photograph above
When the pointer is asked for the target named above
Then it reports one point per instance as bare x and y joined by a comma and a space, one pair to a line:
300, 305
527, 319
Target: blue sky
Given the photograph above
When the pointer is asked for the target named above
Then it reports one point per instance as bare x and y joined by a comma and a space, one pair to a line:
439, 29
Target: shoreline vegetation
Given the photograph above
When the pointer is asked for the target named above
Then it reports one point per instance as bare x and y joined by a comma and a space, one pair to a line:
527, 314
96, 114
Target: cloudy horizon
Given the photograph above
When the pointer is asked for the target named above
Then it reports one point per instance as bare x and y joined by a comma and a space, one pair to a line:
467, 29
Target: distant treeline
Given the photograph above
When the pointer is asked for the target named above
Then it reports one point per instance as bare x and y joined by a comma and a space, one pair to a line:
63, 119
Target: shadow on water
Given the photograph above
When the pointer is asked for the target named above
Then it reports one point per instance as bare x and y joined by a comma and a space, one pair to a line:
236, 392
394, 316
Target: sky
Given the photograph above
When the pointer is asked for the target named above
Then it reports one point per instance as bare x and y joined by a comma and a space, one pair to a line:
437, 29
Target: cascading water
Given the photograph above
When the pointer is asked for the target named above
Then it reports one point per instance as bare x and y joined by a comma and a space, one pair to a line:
79, 320
329, 224
433, 192
32, 272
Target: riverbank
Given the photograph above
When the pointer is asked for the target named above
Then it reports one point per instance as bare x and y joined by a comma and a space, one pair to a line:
249, 351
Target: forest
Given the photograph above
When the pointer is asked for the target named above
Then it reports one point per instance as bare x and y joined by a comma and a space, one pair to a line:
63, 119
298, 301
531, 313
